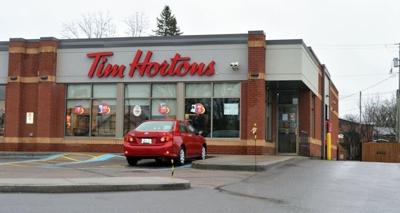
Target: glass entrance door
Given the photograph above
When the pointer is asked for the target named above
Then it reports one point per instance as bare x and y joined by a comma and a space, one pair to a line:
287, 128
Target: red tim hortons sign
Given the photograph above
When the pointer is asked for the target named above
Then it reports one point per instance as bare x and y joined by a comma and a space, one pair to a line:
177, 66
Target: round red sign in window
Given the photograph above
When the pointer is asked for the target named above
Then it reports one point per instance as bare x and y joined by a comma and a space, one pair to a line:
104, 109
163, 109
79, 110
198, 108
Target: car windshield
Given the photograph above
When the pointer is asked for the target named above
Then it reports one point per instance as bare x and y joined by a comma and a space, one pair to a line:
163, 126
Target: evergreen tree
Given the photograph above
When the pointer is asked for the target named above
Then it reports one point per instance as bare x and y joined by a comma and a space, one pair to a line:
166, 24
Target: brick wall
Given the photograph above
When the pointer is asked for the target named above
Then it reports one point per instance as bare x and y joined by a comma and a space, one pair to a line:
334, 118
305, 111
32, 88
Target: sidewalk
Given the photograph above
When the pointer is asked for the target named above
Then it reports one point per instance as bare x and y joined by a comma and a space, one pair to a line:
244, 162
109, 184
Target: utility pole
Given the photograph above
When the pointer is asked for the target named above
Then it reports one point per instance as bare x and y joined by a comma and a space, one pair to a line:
360, 115
396, 63
360, 126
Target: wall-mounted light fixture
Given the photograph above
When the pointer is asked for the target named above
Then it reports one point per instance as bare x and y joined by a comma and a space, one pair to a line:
13, 77
234, 66
44, 77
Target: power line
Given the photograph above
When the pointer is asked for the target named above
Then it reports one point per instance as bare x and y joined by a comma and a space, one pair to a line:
354, 46
354, 98
373, 85
359, 75
379, 82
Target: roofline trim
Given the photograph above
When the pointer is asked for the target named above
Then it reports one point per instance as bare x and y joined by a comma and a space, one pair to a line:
155, 41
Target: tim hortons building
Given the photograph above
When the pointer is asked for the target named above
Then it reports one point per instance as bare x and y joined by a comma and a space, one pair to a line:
83, 95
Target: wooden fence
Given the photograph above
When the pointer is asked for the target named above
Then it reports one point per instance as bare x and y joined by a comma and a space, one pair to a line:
381, 152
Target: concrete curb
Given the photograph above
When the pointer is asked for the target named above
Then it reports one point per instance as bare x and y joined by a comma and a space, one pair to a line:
259, 167
77, 185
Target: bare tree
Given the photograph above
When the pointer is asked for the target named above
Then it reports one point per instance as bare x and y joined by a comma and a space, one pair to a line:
381, 113
137, 24
92, 25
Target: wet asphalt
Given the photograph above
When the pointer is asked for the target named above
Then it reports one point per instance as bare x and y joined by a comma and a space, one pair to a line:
303, 186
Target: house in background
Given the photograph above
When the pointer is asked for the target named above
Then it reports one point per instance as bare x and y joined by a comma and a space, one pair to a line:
350, 139
384, 134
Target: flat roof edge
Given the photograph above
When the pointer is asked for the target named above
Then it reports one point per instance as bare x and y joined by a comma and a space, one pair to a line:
155, 41
4, 45
284, 41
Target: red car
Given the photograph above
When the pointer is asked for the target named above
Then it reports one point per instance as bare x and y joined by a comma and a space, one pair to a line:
164, 139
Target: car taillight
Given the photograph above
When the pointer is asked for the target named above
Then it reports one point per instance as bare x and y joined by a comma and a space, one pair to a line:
129, 139
166, 138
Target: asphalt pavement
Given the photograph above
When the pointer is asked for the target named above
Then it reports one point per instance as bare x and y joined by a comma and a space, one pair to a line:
101, 172
299, 186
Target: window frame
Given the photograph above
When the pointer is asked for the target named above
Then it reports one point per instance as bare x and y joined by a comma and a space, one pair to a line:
150, 99
212, 105
90, 99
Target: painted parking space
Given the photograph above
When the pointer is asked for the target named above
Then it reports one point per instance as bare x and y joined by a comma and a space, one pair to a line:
86, 160
18, 160
57, 159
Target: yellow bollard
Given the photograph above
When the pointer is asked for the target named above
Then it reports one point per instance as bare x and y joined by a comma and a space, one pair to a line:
328, 146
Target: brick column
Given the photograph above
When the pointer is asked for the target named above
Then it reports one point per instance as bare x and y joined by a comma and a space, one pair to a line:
254, 91
50, 107
13, 109
305, 108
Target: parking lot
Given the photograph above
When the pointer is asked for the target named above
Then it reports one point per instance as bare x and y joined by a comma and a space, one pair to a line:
71, 165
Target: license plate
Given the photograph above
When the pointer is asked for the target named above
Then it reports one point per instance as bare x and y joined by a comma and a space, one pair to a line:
146, 140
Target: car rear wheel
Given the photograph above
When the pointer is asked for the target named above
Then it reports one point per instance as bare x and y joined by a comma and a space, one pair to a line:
131, 161
160, 161
203, 153
182, 156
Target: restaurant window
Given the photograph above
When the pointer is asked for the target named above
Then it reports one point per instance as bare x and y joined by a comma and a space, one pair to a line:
104, 106
91, 110
214, 109
78, 110
163, 103
137, 105
148, 101
198, 107
226, 110
2, 108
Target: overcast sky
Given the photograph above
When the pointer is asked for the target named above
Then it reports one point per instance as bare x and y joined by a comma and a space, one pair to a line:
354, 38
